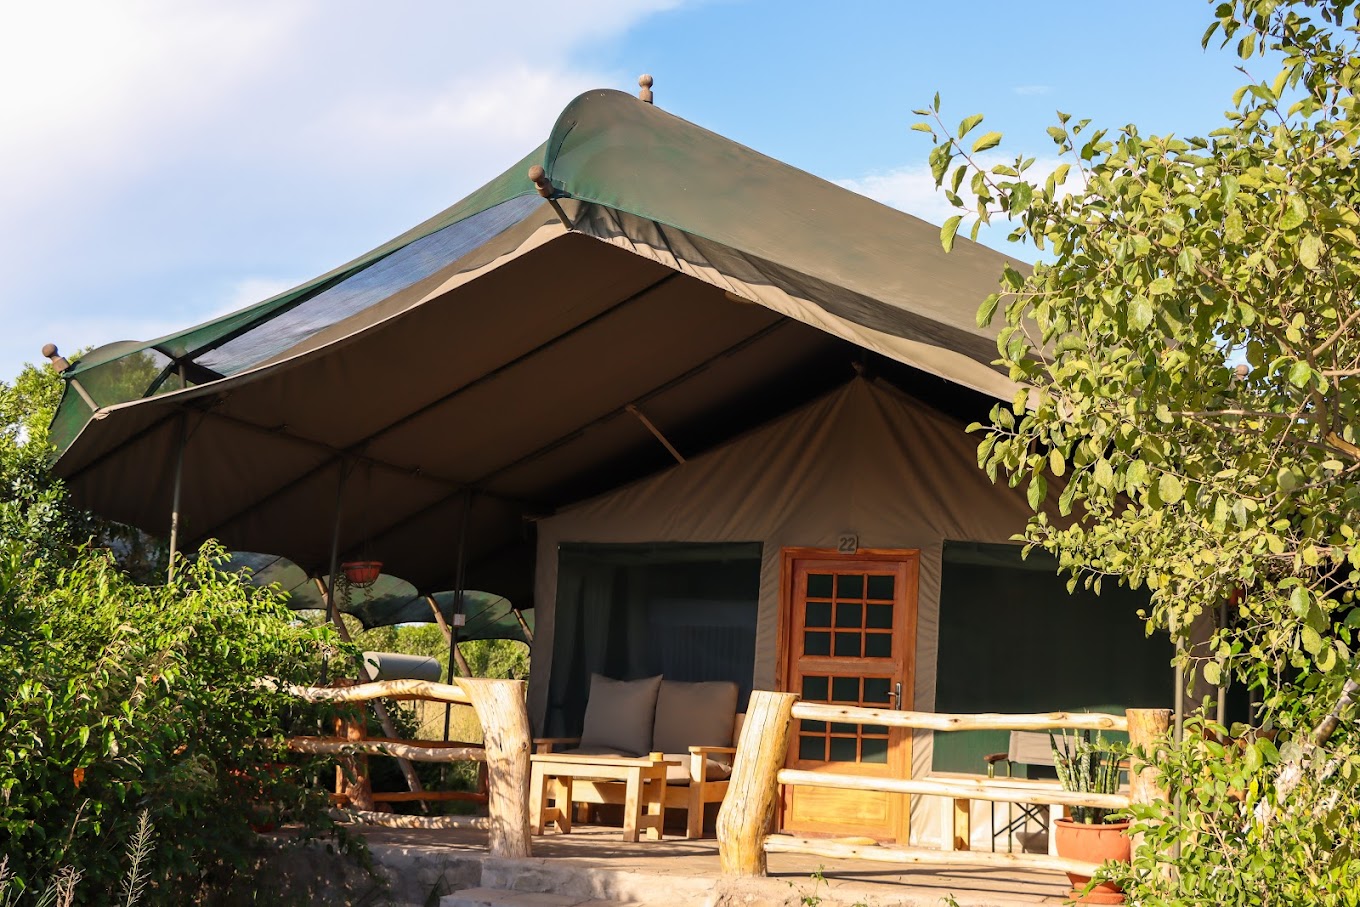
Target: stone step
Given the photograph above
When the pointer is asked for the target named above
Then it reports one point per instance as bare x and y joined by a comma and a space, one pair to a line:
496, 897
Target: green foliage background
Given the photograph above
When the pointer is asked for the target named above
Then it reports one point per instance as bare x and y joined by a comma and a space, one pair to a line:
1188, 353
119, 698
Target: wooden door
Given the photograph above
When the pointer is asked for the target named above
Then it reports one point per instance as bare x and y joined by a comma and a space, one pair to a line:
848, 632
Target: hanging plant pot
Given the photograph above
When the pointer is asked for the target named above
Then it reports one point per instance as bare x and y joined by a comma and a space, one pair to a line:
1093, 844
361, 573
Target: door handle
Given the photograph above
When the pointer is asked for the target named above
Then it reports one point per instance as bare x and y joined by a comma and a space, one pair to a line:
897, 696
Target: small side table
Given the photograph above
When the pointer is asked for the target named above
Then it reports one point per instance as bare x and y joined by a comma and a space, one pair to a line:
642, 778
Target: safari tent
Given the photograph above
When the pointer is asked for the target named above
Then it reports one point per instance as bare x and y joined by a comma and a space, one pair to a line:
645, 373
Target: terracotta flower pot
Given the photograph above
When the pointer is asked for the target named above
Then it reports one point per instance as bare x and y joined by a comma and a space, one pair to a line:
1093, 844
362, 573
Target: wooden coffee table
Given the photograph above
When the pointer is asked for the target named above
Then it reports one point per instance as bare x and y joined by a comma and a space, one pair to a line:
638, 782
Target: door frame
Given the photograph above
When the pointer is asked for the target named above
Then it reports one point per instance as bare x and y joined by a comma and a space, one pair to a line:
901, 824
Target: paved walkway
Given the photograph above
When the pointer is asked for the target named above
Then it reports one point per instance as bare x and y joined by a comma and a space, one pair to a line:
593, 864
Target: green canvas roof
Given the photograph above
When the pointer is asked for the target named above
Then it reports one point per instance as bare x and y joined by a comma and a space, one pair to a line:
494, 363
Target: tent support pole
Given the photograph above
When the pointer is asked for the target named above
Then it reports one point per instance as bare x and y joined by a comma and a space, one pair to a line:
463, 667
176, 496
656, 432
523, 625
84, 395
454, 654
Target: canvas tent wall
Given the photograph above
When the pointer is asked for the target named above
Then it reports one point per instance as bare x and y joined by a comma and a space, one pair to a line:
865, 458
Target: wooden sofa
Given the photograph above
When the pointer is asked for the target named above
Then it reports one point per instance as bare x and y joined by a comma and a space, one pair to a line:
692, 724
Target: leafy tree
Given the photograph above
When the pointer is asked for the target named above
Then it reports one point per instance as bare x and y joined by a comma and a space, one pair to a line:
31, 502
1190, 352
120, 700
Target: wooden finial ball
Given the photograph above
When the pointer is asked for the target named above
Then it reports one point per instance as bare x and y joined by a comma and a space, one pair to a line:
55, 360
539, 178
645, 83
1242, 371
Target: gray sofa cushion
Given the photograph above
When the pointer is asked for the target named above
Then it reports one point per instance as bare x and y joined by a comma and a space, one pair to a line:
694, 714
620, 713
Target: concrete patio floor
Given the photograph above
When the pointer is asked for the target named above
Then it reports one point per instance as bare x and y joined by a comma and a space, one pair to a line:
593, 864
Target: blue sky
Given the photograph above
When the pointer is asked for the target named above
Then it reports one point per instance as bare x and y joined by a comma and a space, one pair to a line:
165, 161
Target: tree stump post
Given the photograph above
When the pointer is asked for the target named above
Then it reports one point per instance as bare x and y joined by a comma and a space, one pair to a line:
748, 808
356, 784
505, 726
1148, 729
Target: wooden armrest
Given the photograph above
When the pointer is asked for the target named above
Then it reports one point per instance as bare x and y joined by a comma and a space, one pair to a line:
547, 744
713, 751
994, 758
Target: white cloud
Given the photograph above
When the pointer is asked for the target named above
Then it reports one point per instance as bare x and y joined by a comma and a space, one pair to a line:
912, 189
169, 157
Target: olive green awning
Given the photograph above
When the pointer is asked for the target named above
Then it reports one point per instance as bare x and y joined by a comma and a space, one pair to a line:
495, 363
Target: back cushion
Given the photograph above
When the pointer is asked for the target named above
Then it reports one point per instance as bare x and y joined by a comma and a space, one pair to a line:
619, 714
694, 714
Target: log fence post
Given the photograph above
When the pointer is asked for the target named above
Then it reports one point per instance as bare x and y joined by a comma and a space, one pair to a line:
748, 809
505, 726
356, 784
1148, 730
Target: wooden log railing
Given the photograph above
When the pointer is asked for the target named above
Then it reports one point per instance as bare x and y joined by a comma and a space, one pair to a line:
757, 773
500, 708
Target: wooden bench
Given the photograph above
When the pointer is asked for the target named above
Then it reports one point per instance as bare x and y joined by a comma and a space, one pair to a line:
569, 777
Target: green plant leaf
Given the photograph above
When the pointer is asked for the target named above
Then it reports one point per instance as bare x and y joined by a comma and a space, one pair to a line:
1310, 248
988, 310
987, 141
1295, 212
1300, 373
949, 231
1140, 312
1213, 673
1038, 490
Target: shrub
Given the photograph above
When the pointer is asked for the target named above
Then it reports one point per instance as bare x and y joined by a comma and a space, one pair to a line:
118, 698
1232, 838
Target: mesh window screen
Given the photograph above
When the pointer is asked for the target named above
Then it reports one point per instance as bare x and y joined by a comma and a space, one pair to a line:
370, 286
686, 611
1013, 640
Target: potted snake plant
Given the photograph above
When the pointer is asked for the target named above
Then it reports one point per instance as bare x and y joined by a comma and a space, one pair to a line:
1092, 834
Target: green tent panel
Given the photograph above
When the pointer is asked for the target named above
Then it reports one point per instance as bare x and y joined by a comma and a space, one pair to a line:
388, 602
